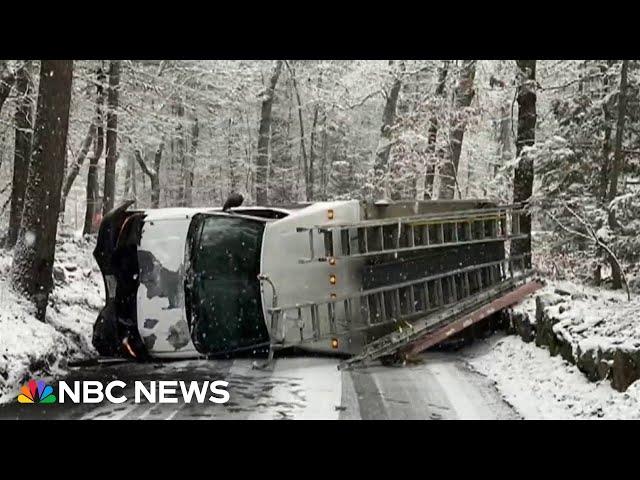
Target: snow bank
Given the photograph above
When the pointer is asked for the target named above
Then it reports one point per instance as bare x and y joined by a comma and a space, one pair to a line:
29, 347
539, 386
587, 345
588, 317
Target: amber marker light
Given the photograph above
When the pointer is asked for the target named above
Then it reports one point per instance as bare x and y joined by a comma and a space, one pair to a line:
334, 343
332, 279
330, 214
332, 261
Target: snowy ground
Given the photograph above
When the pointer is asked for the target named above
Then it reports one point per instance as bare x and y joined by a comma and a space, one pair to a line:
591, 317
595, 317
540, 386
29, 347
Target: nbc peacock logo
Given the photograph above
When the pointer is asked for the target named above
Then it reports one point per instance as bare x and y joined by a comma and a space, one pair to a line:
36, 392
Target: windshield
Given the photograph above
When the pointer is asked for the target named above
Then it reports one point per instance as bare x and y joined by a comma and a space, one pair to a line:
223, 292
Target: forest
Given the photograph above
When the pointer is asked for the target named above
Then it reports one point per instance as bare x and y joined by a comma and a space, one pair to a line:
80, 137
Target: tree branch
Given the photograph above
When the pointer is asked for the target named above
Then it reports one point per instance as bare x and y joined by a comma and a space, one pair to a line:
595, 239
75, 167
148, 171
362, 101
6, 187
571, 82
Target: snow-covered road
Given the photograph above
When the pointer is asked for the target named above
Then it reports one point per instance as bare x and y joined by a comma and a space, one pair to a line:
441, 387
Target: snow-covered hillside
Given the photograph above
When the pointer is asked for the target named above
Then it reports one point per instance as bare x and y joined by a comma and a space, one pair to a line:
29, 347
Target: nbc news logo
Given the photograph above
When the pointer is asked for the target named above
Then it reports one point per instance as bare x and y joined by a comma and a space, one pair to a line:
36, 391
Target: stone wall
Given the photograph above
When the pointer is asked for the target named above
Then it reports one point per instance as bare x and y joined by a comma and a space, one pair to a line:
620, 364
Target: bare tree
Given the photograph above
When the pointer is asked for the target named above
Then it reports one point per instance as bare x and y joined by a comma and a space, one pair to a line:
433, 157
526, 137
464, 93
616, 270
264, 135
312, 145
111, 157
130, 183
35, 249
324, 152
134, 182
303, 148
127, 177
312, 155
22, 150
191, 163
178, 147
152, 173
7, 78
93, 193
89, 139
504, 138
620, 122
230, 159
592, 236
606, 143
383, 151
74, 169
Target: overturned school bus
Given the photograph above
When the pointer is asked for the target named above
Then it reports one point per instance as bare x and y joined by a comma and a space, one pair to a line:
367, 280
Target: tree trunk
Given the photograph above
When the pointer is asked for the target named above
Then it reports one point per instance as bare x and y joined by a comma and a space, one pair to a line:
7, 78
504, 139
303, 147
248, 151
432, 136
312, 155
134, 182
75, 167
127, 179
606, 144
464, 93
155, 192
22, 150
180, 150
91, 221
90, 139
155, 179
526, 136
111, 157
230, 162
152, 173
189, 171
292, 193
35, 249
323, 162
263, 135
616, 273
620, 122
381, 164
